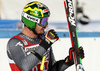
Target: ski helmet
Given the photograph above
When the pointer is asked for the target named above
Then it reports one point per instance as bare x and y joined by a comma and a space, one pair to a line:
35, 12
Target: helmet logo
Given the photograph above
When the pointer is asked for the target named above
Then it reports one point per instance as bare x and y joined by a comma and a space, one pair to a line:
29, 8
45, 10
33, 13
31, 18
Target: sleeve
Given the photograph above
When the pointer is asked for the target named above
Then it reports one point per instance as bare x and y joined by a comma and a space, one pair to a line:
57, 66
16, 52
52, 58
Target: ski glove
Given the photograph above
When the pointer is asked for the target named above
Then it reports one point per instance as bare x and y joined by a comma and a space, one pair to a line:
50, 38
69, 59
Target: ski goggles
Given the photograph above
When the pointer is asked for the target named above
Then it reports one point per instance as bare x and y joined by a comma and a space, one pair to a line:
43, 22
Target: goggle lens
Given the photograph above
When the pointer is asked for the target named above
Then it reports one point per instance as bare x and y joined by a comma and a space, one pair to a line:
44, 21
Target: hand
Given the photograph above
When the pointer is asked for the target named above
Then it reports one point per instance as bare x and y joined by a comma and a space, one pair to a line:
81, 52
49, 39
69, 59
51, 36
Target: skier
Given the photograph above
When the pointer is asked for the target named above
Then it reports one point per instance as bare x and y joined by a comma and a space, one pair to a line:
25, 50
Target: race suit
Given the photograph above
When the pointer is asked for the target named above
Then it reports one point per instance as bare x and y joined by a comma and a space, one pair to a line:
20, 57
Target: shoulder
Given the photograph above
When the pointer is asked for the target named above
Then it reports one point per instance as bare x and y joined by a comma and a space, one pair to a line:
14, 41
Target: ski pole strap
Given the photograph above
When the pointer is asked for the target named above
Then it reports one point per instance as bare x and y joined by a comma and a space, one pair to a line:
42, 63
37, 55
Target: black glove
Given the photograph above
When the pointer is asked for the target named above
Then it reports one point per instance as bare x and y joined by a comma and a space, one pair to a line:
69, 59
81, 52
50, 38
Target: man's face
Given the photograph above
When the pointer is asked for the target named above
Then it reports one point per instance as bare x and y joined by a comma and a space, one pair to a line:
39, 29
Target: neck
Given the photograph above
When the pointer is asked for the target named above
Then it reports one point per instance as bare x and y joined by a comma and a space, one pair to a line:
29, 33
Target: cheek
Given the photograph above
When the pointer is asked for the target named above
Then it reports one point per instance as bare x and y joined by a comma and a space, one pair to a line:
39, 29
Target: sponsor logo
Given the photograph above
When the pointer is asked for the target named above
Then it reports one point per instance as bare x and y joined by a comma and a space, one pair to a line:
20, 44
25, 43
33, 13
52, 34
45, 10
32, 18
71, 13
37, 20
30, 48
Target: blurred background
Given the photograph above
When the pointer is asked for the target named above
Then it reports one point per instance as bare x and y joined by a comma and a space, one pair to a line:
88, 27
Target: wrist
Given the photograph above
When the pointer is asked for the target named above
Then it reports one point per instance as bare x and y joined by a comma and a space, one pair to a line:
45, 44
69, 61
